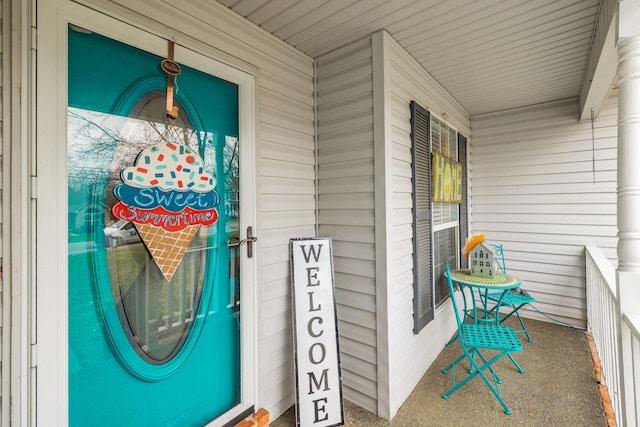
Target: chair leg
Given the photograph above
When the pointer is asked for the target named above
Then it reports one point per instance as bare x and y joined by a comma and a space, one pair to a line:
478, 370
496, 377
453, 364
452, 340
524, 328
516, 364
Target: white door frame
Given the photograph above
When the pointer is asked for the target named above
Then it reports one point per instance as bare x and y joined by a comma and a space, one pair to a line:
18, 351
51, 319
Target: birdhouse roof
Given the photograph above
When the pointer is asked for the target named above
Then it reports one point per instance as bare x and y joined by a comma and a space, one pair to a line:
484, 247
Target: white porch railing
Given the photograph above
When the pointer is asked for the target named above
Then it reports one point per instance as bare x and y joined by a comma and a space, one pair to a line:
631, 346
603, 321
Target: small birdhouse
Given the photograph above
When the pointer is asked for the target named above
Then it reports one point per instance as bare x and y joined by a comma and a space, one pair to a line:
482, 261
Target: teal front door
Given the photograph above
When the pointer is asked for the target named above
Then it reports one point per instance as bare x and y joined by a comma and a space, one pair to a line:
153, 220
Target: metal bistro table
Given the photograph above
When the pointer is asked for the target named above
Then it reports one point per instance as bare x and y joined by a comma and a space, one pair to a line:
478, 288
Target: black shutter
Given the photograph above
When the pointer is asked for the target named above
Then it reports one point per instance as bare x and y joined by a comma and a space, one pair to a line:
423, 308
464, 227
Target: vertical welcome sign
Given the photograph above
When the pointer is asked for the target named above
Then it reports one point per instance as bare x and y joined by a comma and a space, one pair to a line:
318, 377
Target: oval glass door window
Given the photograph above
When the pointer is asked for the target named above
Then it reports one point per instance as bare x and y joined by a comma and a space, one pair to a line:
156, 314
136, 330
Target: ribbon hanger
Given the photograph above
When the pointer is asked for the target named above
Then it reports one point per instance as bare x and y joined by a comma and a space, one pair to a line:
444, 148
172, 69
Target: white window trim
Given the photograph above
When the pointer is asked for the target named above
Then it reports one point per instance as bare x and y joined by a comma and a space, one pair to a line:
446, 225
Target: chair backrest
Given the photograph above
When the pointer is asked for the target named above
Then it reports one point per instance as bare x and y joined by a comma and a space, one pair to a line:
453, 297
499, 254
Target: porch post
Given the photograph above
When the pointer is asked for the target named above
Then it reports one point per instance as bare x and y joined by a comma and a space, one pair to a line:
628, 213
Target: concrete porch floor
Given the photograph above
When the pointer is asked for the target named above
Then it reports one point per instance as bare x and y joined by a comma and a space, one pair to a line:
558, 388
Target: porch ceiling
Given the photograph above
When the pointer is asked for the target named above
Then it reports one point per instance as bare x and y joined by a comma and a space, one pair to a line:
491, 55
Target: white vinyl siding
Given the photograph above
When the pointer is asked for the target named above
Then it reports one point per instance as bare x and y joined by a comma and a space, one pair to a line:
410, 354
285, 162
4, 341
544, 189
365, 170
346, 208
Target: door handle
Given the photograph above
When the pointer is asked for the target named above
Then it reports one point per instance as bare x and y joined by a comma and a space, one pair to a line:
233, 242
249, 241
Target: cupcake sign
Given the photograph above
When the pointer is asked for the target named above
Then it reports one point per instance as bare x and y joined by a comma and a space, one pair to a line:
168, 195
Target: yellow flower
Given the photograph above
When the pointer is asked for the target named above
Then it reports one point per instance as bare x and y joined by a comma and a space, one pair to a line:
472, 243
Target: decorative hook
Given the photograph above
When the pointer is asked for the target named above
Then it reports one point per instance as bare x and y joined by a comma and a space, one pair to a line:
172, 69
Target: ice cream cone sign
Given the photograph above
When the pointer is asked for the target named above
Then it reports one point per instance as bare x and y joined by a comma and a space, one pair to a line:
168, 195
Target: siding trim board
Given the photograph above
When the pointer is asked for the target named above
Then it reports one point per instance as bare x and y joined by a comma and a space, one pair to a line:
383, 215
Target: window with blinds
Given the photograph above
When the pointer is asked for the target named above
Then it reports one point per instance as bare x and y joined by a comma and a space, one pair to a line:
445, 215
439, 228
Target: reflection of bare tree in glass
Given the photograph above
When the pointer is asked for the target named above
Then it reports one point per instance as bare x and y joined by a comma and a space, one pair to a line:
104, 142
232, 177
90, 148
91, 141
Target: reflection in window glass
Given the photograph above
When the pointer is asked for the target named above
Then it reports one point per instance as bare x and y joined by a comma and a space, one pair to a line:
445, 250
444, 139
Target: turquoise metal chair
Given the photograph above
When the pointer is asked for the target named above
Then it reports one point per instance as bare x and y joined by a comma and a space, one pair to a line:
473, 338
515, 299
